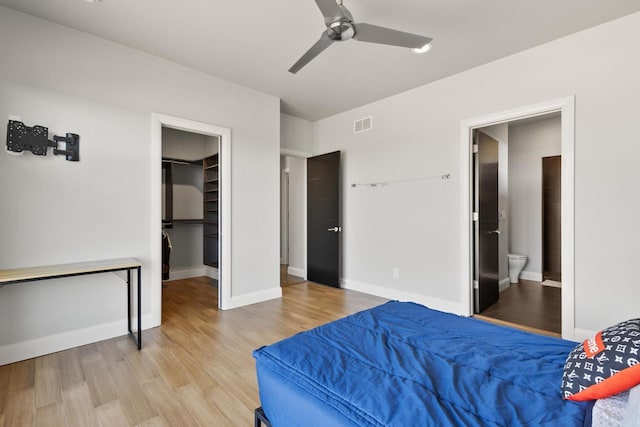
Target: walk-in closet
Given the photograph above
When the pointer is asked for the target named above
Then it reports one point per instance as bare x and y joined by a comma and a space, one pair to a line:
190, 184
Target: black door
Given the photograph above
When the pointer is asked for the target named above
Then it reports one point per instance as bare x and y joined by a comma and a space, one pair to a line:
552, 218
323, 219
486, 222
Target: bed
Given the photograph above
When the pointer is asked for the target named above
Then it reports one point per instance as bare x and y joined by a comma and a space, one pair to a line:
402, 364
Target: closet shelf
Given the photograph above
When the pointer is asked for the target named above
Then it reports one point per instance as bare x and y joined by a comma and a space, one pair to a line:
210, 229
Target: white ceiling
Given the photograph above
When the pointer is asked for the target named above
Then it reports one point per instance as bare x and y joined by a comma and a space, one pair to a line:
254, 42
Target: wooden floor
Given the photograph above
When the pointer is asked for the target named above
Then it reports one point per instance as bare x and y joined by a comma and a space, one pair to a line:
529, 304
287, 279
196, 369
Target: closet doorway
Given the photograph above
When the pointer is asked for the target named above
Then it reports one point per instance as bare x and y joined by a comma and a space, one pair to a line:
515, 205
191, 201
190, 220
292, 220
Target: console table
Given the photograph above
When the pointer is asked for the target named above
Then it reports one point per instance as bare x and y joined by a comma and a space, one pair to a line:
30, 274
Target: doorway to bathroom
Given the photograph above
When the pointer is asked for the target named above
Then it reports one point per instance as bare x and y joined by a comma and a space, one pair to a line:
517, 212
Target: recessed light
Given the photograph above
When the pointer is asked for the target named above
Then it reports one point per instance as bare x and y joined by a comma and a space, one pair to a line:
422, 49
93, 1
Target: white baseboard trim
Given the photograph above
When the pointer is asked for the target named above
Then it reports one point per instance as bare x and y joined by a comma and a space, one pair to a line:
254, 298
395, 294
175, 274
530, 275
65, 340
211, 272
295, 271
504, 284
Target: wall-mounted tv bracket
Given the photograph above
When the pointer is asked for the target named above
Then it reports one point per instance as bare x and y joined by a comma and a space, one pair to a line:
35, 139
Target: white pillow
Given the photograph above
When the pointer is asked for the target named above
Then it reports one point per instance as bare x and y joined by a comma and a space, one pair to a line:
610, 411
632, 415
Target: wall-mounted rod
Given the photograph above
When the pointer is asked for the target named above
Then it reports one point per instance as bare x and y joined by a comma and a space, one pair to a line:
396, 181
182, 162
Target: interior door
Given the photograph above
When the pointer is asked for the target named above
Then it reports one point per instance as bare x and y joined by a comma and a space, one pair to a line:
551, 218
323, 219
486, 221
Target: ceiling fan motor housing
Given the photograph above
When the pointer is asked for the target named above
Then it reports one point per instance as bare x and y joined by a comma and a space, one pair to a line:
341, 30
340, 27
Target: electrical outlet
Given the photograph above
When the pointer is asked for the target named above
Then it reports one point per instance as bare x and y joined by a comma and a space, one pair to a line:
396, 273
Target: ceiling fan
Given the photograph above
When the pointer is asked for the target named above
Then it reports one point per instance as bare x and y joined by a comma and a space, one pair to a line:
340, 27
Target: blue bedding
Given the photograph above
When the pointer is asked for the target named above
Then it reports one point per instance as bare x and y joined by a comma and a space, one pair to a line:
402, 364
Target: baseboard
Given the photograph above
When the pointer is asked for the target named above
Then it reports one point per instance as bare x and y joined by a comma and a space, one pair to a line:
530, 275
187, 273
395, 294
65, 340
211, 272
294, 271
504, 284
254, 298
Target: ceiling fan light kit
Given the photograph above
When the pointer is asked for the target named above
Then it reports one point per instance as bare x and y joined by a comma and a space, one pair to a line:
340, 27
423, 49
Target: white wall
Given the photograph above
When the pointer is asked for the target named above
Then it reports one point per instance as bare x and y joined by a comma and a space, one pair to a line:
54, 211
528, 144
500, 133
296, 136
416, 226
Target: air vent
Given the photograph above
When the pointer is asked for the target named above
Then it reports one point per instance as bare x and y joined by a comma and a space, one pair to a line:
362, 124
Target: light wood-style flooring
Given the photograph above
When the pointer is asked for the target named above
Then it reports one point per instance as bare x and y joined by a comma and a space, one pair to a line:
529, 304
196, 369
287, 279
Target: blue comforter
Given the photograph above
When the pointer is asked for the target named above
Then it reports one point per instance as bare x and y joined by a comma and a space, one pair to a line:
402, 364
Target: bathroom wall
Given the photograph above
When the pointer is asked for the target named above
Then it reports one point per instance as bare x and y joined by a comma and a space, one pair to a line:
529, 142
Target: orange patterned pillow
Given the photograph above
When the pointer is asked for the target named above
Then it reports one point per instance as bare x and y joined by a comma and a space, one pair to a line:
607, 364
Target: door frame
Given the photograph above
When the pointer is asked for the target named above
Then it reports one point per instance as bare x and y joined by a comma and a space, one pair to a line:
158, 121
566, 106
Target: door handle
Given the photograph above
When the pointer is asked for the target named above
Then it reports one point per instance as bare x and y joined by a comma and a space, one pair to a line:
494, 231
335, 229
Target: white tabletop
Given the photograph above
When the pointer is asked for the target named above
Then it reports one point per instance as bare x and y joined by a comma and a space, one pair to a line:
42, 272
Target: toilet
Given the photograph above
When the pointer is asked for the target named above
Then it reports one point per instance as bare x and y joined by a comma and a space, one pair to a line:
516, 264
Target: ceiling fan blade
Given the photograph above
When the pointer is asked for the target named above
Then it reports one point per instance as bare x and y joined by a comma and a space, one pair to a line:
330, 9
374, 34
315, 50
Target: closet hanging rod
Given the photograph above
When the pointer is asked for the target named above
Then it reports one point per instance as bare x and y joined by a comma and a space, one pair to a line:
396, 181
182, 162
